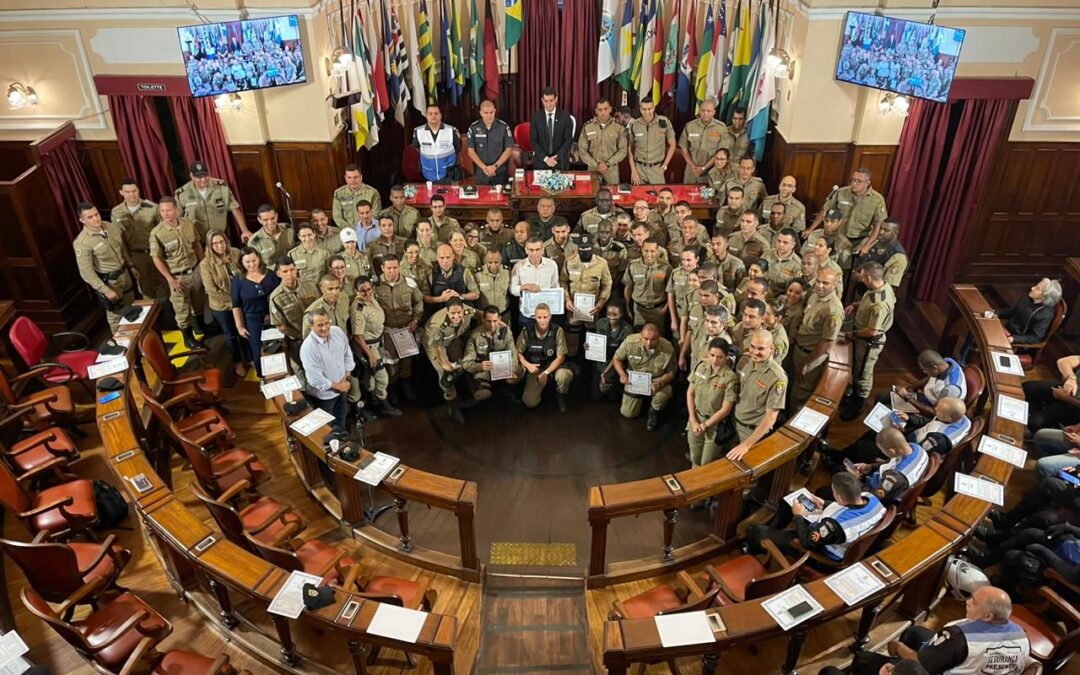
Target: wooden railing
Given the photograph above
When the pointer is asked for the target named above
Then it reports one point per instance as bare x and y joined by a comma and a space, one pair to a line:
773, 458
198, 559
348, 499
916, 564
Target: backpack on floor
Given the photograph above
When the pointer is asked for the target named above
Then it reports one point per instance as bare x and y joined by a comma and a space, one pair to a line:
111, 507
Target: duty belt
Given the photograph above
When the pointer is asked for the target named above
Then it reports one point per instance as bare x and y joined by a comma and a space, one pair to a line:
112, 276
140, 250
650, 164
805, 350
184, 273
648, 306
374, 341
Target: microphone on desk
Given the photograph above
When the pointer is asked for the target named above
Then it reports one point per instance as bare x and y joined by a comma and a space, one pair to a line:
286, 192
834, 190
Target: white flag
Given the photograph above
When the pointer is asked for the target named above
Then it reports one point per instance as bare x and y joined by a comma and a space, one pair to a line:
605, 57
416, 77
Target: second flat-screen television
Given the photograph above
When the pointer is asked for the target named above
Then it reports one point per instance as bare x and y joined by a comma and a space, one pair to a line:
234, 56
906, 57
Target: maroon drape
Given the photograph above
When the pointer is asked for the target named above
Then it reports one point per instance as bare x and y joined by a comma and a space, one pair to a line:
942, 166
540, 55
577, 86
142, 145
67, 180
201, 137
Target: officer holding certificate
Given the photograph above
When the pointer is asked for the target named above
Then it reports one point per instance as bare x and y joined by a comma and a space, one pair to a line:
646, 366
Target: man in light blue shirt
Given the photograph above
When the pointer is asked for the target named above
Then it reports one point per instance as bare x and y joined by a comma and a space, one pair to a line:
328, 364
367, 228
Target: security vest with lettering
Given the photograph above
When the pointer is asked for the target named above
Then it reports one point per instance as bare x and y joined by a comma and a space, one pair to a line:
436, 151
441, 281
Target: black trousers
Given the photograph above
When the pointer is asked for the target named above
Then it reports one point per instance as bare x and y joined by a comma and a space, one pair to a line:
870, 663
1045, 410
338, 407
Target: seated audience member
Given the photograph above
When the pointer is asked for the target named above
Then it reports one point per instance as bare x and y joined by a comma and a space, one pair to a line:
940, 433
1053, 403
901, 667
944, 377
829, 528
905, 465
1051, 492
1026, 550
1028, 322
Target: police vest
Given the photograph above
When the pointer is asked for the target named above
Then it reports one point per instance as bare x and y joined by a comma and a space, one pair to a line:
881, 254
436, 151
1002, 649
855, 521
540, 350
455, 281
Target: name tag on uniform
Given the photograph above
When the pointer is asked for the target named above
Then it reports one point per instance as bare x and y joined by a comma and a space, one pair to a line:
590, 134
300, 263
760, 384
692, 134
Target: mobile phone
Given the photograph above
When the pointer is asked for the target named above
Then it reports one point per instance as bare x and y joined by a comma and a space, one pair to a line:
850, 465
111, 396
142, 483
795, 611
1069, 477
1005, 361
895, 419
807, 503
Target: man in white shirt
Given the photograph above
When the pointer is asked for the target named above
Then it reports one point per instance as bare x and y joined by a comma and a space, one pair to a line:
328, 362
533, 274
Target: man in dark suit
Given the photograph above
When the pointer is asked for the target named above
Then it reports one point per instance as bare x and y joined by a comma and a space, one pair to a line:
551, 134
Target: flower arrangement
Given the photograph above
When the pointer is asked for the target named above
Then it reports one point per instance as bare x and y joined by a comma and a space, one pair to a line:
556, 181
410, 191
708, 193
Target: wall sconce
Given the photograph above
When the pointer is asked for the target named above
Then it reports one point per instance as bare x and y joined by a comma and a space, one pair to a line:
19, 96
338, 61
892, 105
781, 64
228, 102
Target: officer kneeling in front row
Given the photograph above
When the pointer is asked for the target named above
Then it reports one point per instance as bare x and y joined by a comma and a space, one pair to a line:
541, 349
645, 352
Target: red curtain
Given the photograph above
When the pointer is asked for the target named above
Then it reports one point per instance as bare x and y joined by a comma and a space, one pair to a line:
67, 180
943, 164
201, 137
577, 85
142, 145
540, 56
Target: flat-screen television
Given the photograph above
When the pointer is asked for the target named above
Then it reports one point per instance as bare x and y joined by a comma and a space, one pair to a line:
233, 56
906, 57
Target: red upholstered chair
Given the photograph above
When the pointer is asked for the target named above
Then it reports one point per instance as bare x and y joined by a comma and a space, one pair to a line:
410, 164
39, 410
961, 455
1052, 644
200, 425
108, 637
67, 364
57, 571
218, 464
976, 387
56, 513
821, 565
263, 518
180, 662
311, 557
40, 450
666, 599
203, 386
747, 577
522, 136
1029, 354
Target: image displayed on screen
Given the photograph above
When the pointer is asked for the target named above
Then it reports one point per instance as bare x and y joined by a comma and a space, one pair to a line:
221, 58
906, 57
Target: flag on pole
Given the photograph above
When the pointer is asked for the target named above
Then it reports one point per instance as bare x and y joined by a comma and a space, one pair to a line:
764, 91
378, 72
397, 63
657, 51
446, 52
514, 23
458, 64
718, 66
671, 52
427, 55
417, 74
685, 88
638, 58
362, 112
491, 59
739, 58
757, 57
626, 47
605, 55
704, 58
476, 54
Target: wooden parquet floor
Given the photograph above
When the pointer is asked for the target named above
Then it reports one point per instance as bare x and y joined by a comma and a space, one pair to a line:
533, 470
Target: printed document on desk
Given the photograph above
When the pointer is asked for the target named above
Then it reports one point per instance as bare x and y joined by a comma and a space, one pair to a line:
980, 488
792, 607
289, 601
1003, 451
854, 583
312, 421
397, 623
688, 628
1012, 408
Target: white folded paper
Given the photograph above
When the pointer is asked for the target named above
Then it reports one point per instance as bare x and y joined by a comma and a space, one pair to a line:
377, 469
1012, 409
289, 601
854, 583
583, 306
397, 623
1003, 451
274, 364
596, 347
312, 421
689, 628
552, 297
404, 342
878, 417
809, 421
271, 334
279, 387
792, 607
110, 367
980, 488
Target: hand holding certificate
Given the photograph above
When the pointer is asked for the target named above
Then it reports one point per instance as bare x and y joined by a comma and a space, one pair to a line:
640, 383
583, 306
552, 297
502, 367
596, 347
404, 342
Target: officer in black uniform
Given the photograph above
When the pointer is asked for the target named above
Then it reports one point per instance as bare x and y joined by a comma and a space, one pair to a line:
489, 147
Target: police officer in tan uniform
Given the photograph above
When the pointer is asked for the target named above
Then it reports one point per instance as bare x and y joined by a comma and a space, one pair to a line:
602, 143
348, 195
678, 287
330, 300
722, 170
326, 235
611, 251
102, 257
784, 265
749, 231
652, 145
176, 249
821, 324
288, 302
762, 390
493, 280
738, 135
495, 235
794, 210
541, 349
753, 188
368, 319
645, 352
710, 399
207, 202
357, 262
731, 269
603, 210
699, 141
645, 286
841, 246
403, 305
444, 345
273, 239
862, 210
587, 274
310, 258
137, 217
492, 335
727, 217
404, 216
388, 242
415, 269
873, 317
888, 251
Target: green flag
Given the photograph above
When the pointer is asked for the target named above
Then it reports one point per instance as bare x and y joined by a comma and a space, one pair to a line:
514, 22
476, 55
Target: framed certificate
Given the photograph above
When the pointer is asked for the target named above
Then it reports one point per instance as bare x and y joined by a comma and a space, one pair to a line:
404, 342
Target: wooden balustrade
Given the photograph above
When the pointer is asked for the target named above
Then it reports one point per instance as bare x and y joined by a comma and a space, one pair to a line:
915, 565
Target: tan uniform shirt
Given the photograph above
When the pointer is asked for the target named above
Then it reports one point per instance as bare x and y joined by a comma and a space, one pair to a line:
217, 279
737, 143
137, 224
273, 246
494, 289
590, 219
311, 265
794, 212
446, 229
559, 253
592, 278
762, 387
732, 270
495, 241
821, 321
175, 245
615, 256
339, 314
657, 362
404, 220
331, 241
345, 204
602, 143
650, 139
753, 191
647, 283
738, 241
357, 264
287, 306
702, 140
401, 302
105, 253
781, 272
719, 178
781, 344
383, 248
440, 332
727, 219
861, 214
480, 345
677, 245
712, 389
420, 275
209, 211
875, 310
368, 320
679, 285
842, 249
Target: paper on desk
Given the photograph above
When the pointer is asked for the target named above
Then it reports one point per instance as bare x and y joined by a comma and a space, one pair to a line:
1007, 363
274, 364
375, 471
143, 311
640, 383
102, 358
17, 666
1003, 451
583, 306
986, 490
792, 607
11, 648
397, 623
289, 601
878, 417
1012, 408
114, 365
854, 583
901, 404
689, 628
404, 342
809, 421
596, 347
279, 387
271, 334
501, 366
312, 421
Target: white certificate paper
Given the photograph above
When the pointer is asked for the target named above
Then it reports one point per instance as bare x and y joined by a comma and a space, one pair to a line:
1012, 409
790, 499
312, 421
901, 404
688, 628
640, 383
596, 347
397, 623
501, 366
271, 334
552, 297
280, 387
792, 607
854, 583
809, 421
986, 490
583, 306
274, 364
404, 342
1003, 451
289, 601
110, 367
1007, 363
878, 417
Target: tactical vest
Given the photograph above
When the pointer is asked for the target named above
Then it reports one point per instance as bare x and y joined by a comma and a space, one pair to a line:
455, 281
540, 351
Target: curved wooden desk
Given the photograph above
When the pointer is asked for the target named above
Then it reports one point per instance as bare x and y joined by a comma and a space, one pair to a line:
196, 557
917, 562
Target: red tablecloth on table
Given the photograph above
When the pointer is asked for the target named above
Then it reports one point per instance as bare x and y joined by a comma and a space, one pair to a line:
688, 193
485, 196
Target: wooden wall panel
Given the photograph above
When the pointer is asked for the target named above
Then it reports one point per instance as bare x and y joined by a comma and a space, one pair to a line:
255, 177
878, 159
15, 158
310, 172
1030, 216
104, 170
